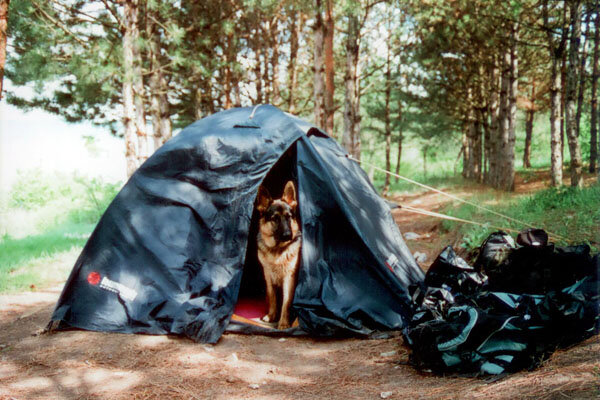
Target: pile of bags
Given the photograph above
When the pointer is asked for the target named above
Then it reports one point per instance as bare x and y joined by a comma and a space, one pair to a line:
507, 312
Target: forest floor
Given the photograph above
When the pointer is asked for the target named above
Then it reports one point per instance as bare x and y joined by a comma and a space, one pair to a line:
79, 364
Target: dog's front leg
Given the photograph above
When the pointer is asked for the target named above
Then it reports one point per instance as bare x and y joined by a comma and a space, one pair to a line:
272, 299
288, 296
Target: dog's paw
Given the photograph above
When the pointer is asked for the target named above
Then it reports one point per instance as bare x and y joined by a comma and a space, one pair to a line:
267, 318
283, 325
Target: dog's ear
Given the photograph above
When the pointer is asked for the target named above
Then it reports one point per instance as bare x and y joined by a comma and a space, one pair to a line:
263, 200
289, 194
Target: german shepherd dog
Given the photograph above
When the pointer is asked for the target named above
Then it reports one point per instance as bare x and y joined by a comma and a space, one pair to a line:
279, 242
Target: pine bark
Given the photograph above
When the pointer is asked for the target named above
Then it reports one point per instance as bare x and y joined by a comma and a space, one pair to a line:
295, 30
133, 87
509, 154
556, 49
227, 71
3, 39
503, 121
594, 94
258, 68
351, 136
507, 116
328, 30
582, 74
494, 125
400, 137
529, 118
571, 95
159, 102
319, 68
387, 119
472, 142
275, 62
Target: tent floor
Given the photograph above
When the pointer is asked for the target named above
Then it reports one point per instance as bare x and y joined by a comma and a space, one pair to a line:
251, 308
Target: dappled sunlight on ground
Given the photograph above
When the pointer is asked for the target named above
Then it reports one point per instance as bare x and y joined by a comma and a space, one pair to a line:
79, 364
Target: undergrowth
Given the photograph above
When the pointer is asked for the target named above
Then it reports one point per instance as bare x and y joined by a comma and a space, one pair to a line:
47, 217
570, 215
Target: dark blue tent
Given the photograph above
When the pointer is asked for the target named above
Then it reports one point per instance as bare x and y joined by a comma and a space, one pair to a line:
170, 252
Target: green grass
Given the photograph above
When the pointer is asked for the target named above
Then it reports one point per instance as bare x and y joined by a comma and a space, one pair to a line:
573, 214
44, 232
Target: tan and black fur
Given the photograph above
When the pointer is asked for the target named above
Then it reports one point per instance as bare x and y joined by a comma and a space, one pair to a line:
279, 242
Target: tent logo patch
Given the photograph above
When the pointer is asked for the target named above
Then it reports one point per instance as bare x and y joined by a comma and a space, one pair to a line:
392, 262
93, 278
118, 288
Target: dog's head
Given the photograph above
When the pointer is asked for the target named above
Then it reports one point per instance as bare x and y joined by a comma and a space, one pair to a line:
278, 222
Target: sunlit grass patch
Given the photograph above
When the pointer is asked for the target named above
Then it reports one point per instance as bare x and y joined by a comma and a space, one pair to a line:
45, 228
38, 272
573, 215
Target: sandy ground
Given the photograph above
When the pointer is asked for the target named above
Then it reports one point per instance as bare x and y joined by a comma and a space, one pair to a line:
82, 365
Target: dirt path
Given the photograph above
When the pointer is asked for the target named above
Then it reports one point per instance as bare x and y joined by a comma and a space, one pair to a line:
78, 364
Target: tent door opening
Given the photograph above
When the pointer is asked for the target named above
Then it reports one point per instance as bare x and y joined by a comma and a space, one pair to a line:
252, 304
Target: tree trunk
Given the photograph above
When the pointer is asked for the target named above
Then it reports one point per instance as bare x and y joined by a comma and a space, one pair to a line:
387, 118
509, 154
494, 126
582, 74
571, 96
471, 142
477, 146
529, 117
556, 55
133, 104
351, 136
319, 65
159, 101
295, 30
328, 30
3, 25
266, 77
486, 146
556, 159
508, 109
138, 92
594, 101
563, 78
503, 122
227, 71
399, 156
258, 74
472, 149
275, 63
466, 150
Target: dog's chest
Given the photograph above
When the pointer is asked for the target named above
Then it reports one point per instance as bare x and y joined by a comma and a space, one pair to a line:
278, 265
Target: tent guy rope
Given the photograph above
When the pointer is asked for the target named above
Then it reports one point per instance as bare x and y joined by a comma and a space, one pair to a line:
443, 216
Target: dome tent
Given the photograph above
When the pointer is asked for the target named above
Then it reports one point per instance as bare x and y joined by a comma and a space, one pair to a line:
169, 254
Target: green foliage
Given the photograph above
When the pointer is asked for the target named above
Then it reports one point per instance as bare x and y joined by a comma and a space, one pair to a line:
572, 214
70, 63
79, 199
97, 196
33, 189
15, 252
50, 218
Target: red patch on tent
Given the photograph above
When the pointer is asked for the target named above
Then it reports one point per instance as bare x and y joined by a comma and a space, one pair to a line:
93, 278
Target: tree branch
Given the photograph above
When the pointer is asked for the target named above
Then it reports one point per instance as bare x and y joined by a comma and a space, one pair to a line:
58, 24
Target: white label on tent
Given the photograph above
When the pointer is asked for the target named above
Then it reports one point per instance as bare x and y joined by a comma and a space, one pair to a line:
392, 262
120, 289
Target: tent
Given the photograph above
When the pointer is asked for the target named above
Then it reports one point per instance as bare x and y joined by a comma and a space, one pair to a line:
175, 248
